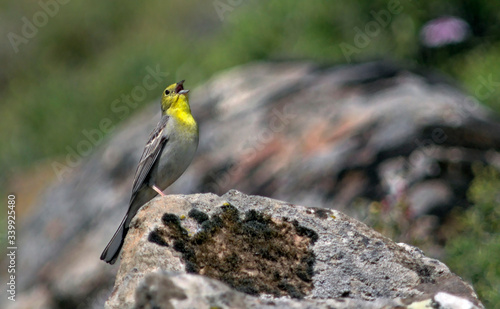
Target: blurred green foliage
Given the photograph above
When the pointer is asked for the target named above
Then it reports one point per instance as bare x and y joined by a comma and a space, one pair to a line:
90, 53
474, 250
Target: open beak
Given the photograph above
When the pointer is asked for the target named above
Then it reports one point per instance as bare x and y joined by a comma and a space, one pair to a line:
180, 88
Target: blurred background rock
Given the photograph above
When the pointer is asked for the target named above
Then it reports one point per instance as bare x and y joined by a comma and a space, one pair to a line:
66, 67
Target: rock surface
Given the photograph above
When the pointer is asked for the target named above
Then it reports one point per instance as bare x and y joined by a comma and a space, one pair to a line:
268, 248
317, 136
173, 290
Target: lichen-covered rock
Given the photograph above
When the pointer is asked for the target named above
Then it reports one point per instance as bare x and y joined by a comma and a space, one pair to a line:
270, 250
164, 290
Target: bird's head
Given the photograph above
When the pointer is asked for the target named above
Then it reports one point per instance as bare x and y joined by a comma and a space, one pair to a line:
173, 95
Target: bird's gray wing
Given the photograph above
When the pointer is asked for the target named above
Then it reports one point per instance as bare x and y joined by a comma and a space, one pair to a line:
156, 142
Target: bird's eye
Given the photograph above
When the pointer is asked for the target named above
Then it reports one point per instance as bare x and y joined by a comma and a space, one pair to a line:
166, 92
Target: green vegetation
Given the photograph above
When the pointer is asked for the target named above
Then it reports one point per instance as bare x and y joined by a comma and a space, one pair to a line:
474, 250
65, 78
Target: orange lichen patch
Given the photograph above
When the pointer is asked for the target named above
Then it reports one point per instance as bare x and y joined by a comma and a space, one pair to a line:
322, 135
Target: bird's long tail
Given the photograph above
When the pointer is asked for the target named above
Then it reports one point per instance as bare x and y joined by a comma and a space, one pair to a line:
112, 250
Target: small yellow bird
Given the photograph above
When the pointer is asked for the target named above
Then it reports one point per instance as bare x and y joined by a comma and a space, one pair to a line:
168, 152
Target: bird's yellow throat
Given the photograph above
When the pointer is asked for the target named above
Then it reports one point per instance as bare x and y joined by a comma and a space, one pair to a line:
181, 112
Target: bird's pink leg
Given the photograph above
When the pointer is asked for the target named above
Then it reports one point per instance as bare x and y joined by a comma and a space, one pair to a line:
158, 190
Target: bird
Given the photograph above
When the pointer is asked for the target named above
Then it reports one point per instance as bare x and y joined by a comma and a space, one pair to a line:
168, 152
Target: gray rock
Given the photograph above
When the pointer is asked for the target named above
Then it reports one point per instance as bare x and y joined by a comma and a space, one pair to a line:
272, 250
194, 291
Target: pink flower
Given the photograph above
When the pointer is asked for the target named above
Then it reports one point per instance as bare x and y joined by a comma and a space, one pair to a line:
443, 31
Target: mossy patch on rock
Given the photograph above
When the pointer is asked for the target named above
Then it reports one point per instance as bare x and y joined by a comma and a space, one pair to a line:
253, 253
